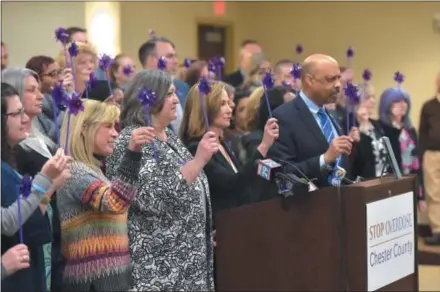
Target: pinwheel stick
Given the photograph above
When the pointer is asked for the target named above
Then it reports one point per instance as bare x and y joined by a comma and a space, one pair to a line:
20, 219
202, 102
66, 145
266, 97
148, 120
55, 121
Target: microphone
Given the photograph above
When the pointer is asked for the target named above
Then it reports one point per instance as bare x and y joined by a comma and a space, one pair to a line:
266, 168
312, 186
288, 183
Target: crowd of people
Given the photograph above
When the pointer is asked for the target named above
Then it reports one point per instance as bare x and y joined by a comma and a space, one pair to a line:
124, 195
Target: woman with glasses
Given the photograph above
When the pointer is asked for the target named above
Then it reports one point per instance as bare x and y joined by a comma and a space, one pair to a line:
50, 74
36, 229
33, 152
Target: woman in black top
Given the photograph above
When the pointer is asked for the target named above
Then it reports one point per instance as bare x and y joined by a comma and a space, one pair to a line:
229, 181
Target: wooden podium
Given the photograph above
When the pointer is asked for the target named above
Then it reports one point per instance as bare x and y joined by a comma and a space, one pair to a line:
317, 241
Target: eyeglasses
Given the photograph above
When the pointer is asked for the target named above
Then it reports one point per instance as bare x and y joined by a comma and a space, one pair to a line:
54, 73
20, 113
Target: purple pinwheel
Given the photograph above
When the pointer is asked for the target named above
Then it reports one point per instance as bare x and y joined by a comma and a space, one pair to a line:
268, 81
148, 99
218, 65
350, 52
399, 78
105, 62
59, 96
204, 89
128, 70
75, 104
296, 71
367, 75
352, 99
162, 63
187, 63
204, 86
73, 52
61, 35
299, 49
352, 94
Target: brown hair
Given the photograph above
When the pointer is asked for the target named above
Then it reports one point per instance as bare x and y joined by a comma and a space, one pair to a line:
193, 122
39, 64
194, 72
115, 66
252, 108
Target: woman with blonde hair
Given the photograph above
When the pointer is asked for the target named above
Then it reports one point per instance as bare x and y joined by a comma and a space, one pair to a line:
93, 209
85, 63
229, 181
169, 223
252, 108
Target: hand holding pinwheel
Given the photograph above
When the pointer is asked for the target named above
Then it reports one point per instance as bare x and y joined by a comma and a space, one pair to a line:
56, 165
140, 137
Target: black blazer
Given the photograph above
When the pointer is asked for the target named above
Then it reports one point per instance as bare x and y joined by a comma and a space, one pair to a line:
235, 78
301, 141
227, 188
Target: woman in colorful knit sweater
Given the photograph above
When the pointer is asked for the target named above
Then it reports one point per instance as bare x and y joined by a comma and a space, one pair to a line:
93, 210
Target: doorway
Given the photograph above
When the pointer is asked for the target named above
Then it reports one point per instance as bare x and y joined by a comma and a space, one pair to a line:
215, 40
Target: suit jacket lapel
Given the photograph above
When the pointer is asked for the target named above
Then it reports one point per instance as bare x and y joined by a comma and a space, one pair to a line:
309, 120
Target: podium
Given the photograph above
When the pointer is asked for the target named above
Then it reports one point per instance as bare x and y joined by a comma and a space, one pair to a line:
360, 238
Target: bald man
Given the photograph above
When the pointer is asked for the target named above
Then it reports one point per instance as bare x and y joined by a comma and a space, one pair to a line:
309, 137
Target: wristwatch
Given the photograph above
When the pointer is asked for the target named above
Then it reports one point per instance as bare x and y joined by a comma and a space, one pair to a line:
45, 200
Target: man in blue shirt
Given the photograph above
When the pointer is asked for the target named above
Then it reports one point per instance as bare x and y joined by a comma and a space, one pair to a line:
149, 54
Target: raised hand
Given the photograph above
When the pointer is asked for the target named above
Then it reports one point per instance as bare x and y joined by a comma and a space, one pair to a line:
207, 147
271, 132
140, 137
56, 165
16, 258
340, 145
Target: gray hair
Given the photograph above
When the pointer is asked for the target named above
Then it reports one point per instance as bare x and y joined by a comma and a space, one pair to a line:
16, 77
132, 112
229, 88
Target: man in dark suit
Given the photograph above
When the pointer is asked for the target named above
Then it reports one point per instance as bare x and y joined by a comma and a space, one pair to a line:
247, 47
309, 137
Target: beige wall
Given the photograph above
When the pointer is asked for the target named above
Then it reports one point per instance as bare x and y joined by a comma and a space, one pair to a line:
28, 28
176, 21
386, 36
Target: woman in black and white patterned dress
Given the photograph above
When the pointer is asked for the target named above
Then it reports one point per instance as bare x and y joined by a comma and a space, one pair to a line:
169, 222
